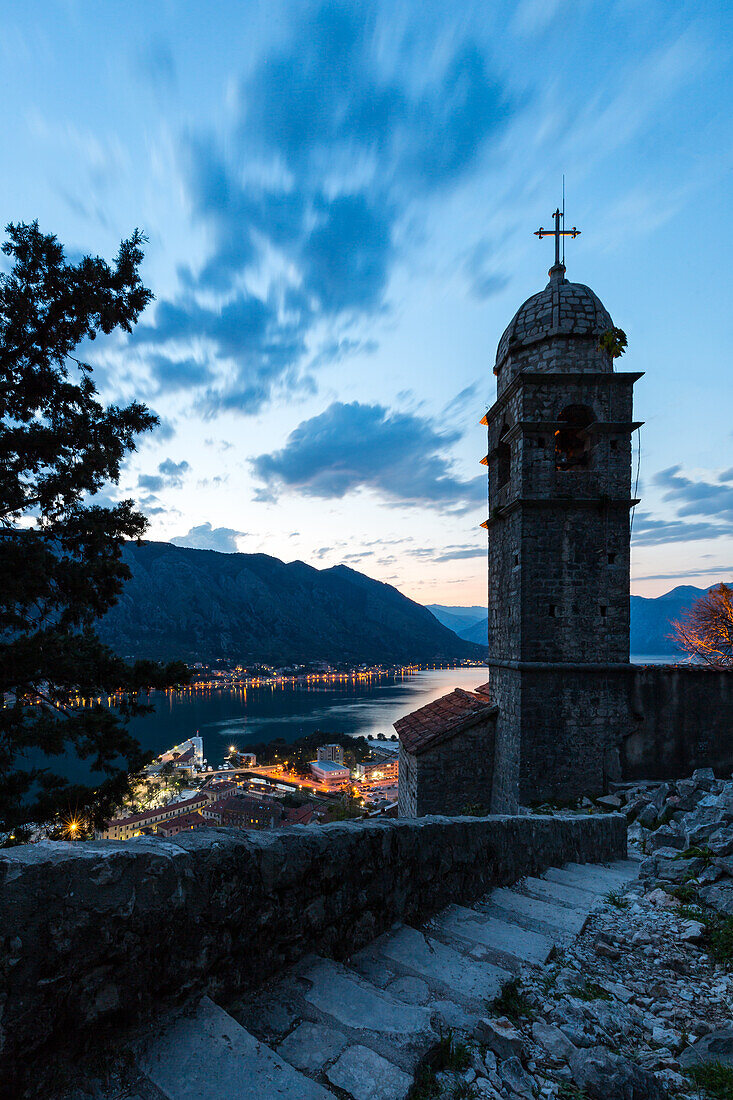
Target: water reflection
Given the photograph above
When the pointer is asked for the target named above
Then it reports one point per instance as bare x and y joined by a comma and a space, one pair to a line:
244, 715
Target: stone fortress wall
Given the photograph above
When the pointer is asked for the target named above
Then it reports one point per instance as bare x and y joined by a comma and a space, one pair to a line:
681, 718
672, 720
99, 936
619, 722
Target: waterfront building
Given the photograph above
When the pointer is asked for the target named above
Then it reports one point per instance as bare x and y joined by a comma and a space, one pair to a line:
185, 761
373, 771
243, 812
191, 750
219, 789
331, 775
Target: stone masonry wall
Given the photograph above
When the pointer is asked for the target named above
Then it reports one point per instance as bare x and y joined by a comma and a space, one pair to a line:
450, 776
577, 718
407, 786
101, 935
505, 689
632, 722
680, 719
566, 353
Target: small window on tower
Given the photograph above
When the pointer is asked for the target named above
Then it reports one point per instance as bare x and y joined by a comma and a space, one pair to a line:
614, 444
516, 559
572, 441
611, 559
603, 611
552, 611
504, 455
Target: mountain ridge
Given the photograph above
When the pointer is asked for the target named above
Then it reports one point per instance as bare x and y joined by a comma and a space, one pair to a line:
651, 620
195, 604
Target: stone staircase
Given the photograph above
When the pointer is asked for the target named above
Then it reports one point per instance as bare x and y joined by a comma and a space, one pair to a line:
330, 1030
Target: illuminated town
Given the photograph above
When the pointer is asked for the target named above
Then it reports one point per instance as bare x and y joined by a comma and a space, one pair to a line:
206, 678
243, 794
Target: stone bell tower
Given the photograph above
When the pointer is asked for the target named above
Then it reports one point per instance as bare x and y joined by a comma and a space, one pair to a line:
559, 491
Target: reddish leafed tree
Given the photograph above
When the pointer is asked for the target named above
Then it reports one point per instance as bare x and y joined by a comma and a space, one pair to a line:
705, 630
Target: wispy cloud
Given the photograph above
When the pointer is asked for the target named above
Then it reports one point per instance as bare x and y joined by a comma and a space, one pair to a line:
170, 476
206, 537
683, 574
709, 496
304, 200
462, 555
400, 456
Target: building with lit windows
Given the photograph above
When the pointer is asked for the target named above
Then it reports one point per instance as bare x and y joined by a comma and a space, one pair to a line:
184, 823
242, 812
331, 775
374, 771
334, 753
122, 828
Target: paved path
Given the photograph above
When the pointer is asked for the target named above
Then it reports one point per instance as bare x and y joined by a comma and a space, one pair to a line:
360, 1029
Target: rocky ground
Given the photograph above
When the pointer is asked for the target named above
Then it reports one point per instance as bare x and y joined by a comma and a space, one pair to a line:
640, 1005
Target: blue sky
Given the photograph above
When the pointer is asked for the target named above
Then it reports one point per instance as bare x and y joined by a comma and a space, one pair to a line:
340, 202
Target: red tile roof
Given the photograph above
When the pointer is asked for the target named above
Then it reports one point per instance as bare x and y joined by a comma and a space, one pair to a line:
443, 718
299, 815
185, 821
219, 790
240, 804
176, 808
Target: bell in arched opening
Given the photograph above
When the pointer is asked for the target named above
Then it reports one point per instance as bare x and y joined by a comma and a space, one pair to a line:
573, 442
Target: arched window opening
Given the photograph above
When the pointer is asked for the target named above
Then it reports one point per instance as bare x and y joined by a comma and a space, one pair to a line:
573, 443
504, 455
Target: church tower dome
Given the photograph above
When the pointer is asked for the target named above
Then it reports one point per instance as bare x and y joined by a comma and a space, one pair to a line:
555, 330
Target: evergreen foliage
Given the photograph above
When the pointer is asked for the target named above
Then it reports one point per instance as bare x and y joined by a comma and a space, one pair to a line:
60, 552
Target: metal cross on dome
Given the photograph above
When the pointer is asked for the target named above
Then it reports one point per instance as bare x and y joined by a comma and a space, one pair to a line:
557, 233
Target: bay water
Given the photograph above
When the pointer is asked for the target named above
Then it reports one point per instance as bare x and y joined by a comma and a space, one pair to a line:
243, 716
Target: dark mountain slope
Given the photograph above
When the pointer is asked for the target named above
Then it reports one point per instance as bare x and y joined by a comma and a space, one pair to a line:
477, 632
202, 605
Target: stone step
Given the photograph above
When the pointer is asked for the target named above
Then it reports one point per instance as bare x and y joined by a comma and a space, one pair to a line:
550, 916
445, 970
355, 1003
207, 1055
572, 896
627, 867
327, 993
358, 1070
361, 1031
310, 1047
592, 878
503, 941
365, 1075
602, 872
